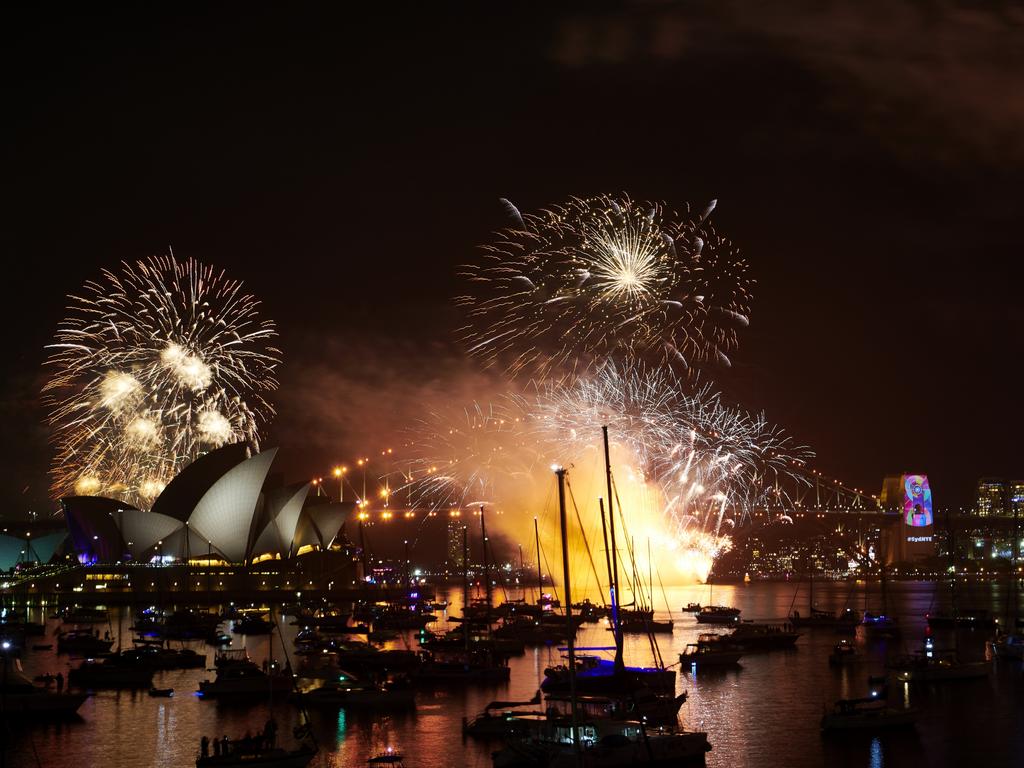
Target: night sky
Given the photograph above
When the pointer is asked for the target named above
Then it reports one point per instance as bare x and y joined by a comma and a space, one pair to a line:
867, 159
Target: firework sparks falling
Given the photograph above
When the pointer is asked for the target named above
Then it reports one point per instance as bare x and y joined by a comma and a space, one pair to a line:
687, 467
155, 364
559, 291
479, 454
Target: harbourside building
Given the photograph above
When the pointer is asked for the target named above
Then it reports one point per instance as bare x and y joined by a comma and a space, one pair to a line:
996, 497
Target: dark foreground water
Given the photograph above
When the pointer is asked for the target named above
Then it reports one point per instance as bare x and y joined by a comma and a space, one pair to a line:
764, 714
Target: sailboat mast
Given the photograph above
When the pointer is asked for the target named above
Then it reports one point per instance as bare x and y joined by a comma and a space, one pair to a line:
465, 583
607, 554
362, 552
487, 570
650, 572
619, 664
570, 630
540, 577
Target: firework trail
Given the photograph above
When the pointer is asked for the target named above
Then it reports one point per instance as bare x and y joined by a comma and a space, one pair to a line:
557, 293
155, 364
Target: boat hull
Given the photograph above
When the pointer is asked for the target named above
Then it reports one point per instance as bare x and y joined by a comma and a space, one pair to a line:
40, 706
713, 659
873, 721
278, 758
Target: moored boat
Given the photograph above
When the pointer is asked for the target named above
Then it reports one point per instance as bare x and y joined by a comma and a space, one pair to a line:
846, 620
966, 618
348, 691
82, 642
761, 637
80, 615
604, 743
878, 627
474, 666
843, 653
937, 667
244, 752
710, 651
20, 699
718, 614
241, 679
866, 714
595, 675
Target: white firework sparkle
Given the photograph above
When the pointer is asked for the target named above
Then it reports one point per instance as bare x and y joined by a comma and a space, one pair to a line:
155, 363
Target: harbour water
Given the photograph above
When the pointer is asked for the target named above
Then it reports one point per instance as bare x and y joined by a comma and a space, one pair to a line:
765, 713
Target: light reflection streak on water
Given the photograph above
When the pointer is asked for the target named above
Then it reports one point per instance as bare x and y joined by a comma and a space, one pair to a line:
876, 753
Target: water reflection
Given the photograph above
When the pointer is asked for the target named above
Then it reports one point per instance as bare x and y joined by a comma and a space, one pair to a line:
766, 713
876, 753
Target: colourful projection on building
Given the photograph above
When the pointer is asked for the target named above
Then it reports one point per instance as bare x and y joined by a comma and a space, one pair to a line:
917, 501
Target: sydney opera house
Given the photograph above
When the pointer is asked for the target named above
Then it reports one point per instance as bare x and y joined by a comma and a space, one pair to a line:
226, 506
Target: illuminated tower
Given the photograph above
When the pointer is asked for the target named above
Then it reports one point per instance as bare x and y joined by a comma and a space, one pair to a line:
910, 532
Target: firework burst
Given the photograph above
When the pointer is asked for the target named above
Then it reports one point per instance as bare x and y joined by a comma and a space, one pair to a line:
713, 463
557, 292
688, 468
478, 454
155, 364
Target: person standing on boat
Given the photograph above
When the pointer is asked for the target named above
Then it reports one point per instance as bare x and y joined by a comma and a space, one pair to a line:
216, 747
60, 682
204, 746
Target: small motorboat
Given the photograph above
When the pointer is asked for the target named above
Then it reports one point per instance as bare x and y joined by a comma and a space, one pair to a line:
388, 758
692, 608
938, 667
878, 627
710, 651
161, 692
82, 642
718, 614
843, 653
866, 714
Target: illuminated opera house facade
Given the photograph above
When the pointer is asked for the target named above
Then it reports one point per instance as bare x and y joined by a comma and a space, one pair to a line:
223, 511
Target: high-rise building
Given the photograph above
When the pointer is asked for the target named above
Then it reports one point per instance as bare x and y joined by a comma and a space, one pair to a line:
1017, 497
454, 546
990, 497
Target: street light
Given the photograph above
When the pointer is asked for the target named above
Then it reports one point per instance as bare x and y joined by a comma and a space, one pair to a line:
362, 463
339, 472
